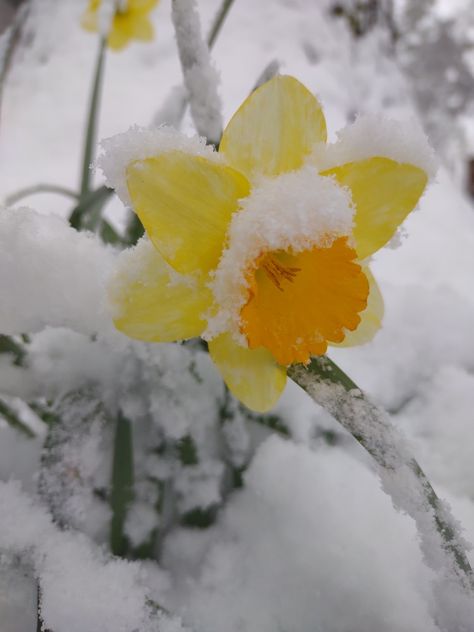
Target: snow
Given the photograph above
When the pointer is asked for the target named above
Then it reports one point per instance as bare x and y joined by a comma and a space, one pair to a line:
330, 542
46, 269
312, 540
294, 211
378, 135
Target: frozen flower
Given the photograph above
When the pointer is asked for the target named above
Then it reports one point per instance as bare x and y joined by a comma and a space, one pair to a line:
262, 248
129, 20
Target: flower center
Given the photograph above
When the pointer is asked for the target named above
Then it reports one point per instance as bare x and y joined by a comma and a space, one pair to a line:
298, 302
277, 272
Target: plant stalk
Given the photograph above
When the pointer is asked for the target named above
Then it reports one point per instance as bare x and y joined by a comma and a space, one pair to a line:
402, 477
91, 130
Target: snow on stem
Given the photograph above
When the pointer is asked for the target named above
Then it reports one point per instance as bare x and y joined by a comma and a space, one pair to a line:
200, 77
402, 478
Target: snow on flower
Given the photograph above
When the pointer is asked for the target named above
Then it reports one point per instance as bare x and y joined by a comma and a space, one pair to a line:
120, 20
255, 248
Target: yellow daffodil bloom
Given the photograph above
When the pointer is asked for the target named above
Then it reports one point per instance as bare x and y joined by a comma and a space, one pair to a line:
259, 248
130, 22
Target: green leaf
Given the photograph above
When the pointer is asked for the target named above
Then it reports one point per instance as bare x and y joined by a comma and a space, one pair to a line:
122, 484
87, 214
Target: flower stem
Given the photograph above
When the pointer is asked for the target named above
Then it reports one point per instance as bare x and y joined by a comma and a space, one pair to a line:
91, 130
402, 478
219, 21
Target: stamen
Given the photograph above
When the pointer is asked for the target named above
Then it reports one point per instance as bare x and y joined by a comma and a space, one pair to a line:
276, 272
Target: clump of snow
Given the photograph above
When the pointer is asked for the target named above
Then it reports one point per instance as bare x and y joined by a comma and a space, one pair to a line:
141, 521
51, 275
377, 135
200, 77
199, 485
139, 143
302, 537
297, 211
81, 588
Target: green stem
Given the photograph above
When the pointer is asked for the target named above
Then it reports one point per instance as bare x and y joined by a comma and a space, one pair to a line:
218, 22
401, 475
40, 188
122, 484
91, 130
89, 205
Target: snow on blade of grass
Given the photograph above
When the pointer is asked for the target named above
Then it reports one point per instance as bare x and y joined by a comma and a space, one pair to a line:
50, 275
200, 77
81, 587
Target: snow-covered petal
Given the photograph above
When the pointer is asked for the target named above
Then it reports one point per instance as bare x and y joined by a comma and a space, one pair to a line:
274, 129
185, 203
370, 318
252, 375
384, 192
153, 303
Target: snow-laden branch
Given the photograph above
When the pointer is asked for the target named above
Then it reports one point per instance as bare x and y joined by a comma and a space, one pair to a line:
200, 77
443, 546
51, 275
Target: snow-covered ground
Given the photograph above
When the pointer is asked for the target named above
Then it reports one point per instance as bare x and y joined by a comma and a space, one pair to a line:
311, 542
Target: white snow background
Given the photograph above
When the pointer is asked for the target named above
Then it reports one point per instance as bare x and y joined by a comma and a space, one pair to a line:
311, 543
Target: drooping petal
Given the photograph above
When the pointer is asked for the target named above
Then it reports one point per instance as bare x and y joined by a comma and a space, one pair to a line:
185, 203
252, 375
153, 305
274, 129
370, 318
299, 302
383, 192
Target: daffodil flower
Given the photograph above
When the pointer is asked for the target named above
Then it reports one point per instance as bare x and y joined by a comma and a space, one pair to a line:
262, 248
131, 21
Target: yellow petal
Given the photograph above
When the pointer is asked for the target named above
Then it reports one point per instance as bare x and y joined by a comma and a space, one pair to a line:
151, 305
121, 32
141, 6
383, 192
89, 19
371, 317
142, 28
185, 203
251, 375
274, 129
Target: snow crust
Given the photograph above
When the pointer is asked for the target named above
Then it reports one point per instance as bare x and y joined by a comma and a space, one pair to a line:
139, 143
51, 275
378, 135
297, 211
